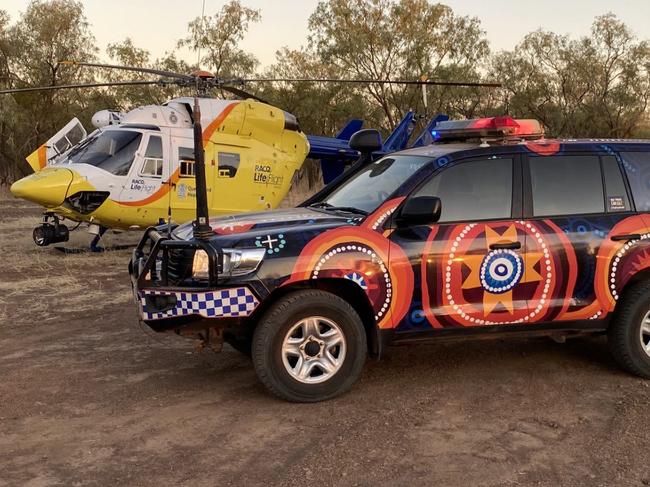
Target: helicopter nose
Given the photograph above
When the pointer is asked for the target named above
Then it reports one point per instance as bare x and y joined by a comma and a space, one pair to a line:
48, 187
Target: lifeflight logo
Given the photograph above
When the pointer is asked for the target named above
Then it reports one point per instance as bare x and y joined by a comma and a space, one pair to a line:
264, 175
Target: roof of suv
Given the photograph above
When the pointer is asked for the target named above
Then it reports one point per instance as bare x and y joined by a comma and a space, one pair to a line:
438, 150
441, 149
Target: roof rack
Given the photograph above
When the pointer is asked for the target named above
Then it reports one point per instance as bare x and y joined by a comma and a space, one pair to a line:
492, 128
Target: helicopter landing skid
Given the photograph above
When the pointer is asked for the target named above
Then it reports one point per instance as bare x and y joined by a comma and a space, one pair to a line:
94, 246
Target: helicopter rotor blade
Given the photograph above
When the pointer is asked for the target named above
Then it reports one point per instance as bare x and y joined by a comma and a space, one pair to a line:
159, 72
376, 81
241, 93
87, 85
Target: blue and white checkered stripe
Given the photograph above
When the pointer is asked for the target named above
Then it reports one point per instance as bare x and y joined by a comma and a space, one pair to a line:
222, 303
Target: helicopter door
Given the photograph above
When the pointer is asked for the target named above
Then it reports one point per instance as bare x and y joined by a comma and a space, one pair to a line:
183, 193
60, 143
144, 187
234, 195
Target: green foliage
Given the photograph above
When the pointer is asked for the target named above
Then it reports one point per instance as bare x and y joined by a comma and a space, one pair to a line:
594, 86
322, 108
126, 54
47, 32
215, 40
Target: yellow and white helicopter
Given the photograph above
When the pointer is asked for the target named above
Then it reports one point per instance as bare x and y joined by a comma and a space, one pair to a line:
138, 169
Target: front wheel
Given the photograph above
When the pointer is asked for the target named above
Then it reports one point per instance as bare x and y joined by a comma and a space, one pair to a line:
629, 334
309, 346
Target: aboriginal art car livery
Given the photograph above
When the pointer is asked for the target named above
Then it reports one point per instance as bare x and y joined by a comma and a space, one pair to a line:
505, 253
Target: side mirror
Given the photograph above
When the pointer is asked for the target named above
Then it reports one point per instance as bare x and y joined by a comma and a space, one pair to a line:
421, 210
366, 141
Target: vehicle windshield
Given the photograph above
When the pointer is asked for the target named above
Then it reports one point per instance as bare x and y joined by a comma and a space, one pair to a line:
368, 189
112, 151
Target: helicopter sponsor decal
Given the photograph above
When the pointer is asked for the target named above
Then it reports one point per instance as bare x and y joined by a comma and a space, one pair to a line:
142, 186
264, 175
185, 190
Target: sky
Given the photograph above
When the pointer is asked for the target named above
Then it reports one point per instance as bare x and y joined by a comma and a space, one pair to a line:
156, 24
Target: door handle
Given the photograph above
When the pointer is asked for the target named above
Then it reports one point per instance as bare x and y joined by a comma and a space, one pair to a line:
625, 237
505, 245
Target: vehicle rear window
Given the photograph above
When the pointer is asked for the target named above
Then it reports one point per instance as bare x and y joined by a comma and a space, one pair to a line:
637, 168
616, 199
566, 185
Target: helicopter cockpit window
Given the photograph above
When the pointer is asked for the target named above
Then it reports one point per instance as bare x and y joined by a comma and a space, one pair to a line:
186, 159
112, 151
153, 158
70, 139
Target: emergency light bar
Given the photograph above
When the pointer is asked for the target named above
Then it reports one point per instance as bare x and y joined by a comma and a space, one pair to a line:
488, 128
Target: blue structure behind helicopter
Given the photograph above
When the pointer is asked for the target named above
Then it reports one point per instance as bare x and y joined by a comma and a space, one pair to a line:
335, 153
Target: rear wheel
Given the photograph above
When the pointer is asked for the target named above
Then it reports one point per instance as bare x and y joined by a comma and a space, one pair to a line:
309, 346
629, 334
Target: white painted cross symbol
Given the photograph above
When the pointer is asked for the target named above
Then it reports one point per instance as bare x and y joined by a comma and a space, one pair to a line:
269, 241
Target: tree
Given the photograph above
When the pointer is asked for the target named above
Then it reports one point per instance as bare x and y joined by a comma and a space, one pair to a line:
322, 108
47, 32
596, 86
127, 54
388, 39
215, 40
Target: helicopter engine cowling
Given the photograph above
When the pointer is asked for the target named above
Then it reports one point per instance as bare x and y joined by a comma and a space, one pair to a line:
104, 118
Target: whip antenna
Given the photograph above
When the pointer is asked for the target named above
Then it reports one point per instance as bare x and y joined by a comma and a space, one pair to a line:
202, 229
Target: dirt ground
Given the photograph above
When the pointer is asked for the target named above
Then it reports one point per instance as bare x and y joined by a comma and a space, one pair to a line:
87, 397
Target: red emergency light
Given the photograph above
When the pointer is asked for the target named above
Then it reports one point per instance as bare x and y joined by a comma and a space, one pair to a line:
488, 128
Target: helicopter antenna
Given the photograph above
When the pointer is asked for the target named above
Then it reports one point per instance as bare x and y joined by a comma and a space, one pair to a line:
202, 228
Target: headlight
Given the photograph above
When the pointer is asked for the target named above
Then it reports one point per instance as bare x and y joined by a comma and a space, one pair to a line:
200, 265
234, 262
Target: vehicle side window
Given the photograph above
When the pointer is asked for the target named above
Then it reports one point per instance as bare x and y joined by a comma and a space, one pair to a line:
474, 190
228, 164
616, 194
566, 185
153, 158
637, 168
186, 160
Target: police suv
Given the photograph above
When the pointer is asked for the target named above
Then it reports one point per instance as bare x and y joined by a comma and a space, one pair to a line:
490, 229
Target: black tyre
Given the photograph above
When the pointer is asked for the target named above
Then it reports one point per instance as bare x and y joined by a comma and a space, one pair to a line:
629, 333
309, 346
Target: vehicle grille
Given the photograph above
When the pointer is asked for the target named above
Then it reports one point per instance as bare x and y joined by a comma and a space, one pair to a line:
179, 265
